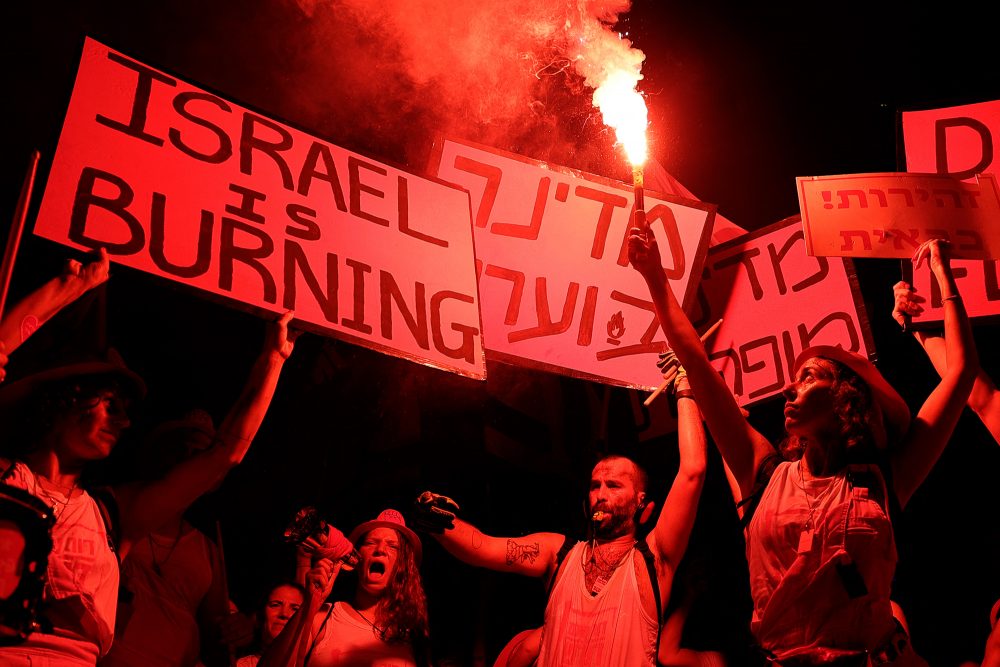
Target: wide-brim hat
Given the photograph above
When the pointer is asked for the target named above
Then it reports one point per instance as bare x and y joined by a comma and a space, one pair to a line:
893, 411
389, 518
106, 362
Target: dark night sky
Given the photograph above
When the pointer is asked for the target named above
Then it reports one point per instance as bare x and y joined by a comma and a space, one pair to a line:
743, 98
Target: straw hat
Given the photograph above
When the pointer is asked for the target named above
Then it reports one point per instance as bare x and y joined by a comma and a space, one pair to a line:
389, 518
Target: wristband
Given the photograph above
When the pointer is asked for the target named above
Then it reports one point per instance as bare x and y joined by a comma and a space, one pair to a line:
684, 393
953, 297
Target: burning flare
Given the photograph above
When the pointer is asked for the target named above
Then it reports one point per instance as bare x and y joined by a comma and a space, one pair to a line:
624, 110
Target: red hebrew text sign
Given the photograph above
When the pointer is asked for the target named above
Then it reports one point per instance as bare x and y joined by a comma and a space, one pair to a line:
890, 215
556, 288
961, 141
775, 300
183, 184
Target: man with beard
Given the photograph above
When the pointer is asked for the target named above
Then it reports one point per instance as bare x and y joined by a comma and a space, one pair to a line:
605, 604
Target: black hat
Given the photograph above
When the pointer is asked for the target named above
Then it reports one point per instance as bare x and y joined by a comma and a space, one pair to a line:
106, 362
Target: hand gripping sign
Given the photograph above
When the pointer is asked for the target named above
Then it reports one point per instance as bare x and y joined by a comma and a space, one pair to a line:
181, 183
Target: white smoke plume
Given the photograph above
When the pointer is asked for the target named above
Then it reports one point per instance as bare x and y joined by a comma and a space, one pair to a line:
516, 74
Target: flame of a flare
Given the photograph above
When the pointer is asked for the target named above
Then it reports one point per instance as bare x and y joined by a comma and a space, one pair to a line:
624, 110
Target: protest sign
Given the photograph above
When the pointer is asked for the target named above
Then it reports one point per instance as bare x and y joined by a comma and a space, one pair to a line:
960, 141
891, 214
557, 292
181, 183
775, 300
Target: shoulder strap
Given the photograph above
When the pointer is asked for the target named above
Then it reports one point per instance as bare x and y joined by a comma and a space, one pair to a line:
108, 506
560, 557
764, 473
647, 555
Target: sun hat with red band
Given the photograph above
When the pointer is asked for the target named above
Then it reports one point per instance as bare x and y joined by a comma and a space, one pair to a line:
893, 412
389, 518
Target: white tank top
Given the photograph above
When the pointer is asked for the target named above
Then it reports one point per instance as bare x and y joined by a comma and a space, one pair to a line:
608, 629
346, 641
802, 535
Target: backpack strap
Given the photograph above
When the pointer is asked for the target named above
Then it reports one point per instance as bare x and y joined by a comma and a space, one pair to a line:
107, 504
647, 555
764, 473
560, 557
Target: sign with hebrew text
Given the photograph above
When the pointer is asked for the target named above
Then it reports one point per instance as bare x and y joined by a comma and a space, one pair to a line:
961, 141
183, 184
775, 300
891, 214
556, 289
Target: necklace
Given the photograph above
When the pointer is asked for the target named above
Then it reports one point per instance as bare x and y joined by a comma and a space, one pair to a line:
806, 536
809, 521
158, 565
379, 632
58, 507
604, 571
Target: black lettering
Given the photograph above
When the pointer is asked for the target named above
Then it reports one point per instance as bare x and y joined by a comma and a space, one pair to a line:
295, 258
224, 145
250, 142
157, 239
417, 324
116, 205
358, 321
467, 349
402, 199
354, 166
305, 216
136, 125
230, 253
248, 198
941, 128
321, 153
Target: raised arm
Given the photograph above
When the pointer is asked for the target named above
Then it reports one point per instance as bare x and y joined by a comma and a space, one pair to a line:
146, 507
741, 446
920, 448
289, 648
669, 538
984, 399
34, 310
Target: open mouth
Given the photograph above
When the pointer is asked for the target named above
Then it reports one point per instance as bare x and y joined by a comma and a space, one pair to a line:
376, 570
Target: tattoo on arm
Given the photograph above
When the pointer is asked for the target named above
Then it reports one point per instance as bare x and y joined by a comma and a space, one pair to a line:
522, 553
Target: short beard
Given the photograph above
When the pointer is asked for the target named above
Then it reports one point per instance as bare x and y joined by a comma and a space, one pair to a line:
617, 526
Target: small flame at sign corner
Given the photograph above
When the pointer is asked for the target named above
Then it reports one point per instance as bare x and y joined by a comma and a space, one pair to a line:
624, 110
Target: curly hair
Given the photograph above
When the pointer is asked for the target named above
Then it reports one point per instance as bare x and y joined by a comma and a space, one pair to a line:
855, 409
402, 613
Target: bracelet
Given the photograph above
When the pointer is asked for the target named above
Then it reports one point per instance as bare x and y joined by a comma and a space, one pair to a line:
953, 297
684, 393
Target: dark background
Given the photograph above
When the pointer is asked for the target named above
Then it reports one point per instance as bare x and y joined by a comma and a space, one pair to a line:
742, 98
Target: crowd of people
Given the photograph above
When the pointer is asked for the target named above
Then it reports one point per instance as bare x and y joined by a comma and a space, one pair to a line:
114, 574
